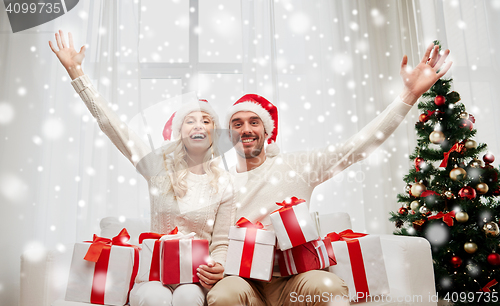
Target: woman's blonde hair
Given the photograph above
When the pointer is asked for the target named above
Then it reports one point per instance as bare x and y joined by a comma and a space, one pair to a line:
175, 160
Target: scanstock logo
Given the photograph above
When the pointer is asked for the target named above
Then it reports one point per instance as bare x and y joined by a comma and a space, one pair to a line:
26, 14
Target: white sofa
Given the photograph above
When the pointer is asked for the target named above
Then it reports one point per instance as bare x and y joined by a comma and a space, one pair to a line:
408, 263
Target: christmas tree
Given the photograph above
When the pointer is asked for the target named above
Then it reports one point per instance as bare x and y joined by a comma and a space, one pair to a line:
451, 199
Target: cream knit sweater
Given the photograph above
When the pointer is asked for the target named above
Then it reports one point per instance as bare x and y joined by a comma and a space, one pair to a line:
201, 210
298, 173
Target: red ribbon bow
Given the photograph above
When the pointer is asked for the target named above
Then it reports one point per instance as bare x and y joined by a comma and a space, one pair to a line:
98, 243
346, 235
289, 203
156, 235
487, 287
458, 147
428, 193
244, 222
447, 218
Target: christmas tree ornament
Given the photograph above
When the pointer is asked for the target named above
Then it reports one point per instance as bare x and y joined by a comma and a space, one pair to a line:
449, 195
464, 115
462, 217
402, 211
493, 259
399, 223
466, 123
417, 189
424, 210
467, 192
482, 188
423, 118
470, 144
418, 224
470, 247
419, 163
436, 137
475, 163
458, 173
491, 229
456, 261
488, 158
414, 205
407, 188
439, 100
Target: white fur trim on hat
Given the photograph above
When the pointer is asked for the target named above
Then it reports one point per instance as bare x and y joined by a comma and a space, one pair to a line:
249, 106
188, 108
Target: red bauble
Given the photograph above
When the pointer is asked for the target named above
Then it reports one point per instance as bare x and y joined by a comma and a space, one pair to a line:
423, 118
466, 123
488, 158
419, 161
494, 259
403, 211
439, 100
467, 192
456, 261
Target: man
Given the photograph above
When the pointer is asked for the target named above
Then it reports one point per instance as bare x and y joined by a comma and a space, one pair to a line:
263, 179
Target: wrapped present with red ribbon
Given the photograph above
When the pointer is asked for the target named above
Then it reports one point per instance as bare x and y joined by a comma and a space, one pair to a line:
250, 253
99, 276
313, 255
293, 224
180, 256
360, 263
149, 267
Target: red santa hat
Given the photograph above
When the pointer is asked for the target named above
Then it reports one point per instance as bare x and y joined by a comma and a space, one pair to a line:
267, 112
172, 128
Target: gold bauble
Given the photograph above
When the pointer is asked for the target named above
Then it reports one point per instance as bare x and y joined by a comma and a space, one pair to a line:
436, 137
417, 189
458, 174
470, 247
462, 217
470, 144
482, 188
491, 229
475, 163
464, 115
414, 205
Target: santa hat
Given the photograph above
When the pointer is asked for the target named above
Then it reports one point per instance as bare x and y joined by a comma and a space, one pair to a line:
172, 128
267, 112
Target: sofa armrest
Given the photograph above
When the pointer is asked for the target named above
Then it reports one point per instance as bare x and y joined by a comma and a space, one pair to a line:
409, 267
44, 276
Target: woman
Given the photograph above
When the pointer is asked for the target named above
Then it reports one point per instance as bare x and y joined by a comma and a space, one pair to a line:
187, 189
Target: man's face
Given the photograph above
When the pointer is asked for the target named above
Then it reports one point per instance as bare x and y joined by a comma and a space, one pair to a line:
247, 134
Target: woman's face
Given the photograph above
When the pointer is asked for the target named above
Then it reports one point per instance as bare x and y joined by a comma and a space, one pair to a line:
195, 132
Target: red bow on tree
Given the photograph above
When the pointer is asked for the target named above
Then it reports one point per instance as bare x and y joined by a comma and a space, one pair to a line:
98, 243
243, 222
447, 218
428, 193
487, 287
458, 147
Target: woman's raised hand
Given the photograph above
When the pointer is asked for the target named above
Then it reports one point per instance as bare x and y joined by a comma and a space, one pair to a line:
67, 55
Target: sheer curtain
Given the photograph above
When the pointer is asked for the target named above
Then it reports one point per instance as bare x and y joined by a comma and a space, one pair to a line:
59, 174
332, 66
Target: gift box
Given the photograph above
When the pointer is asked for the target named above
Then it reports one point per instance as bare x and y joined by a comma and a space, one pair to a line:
360, 263
293, 224
250, 253
149, 259
180, 257
103, 270
313, 255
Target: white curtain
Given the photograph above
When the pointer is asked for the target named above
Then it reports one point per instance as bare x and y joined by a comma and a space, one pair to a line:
332, 66
59, 174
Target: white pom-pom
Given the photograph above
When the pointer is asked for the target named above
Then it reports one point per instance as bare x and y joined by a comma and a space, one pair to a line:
272, 149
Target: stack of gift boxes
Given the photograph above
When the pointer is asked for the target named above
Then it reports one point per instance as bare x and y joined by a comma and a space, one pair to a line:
103, 271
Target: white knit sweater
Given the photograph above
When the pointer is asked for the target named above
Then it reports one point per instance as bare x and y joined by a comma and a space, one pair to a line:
298, 173
201, 210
